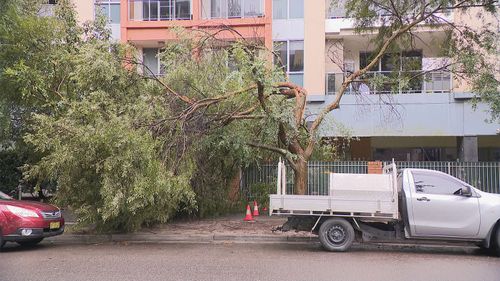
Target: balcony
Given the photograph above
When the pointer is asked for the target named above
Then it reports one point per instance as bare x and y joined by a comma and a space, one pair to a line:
159, 10
421, 83
229, 9
337, 20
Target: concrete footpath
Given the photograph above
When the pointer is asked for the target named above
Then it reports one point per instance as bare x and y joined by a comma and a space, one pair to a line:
226, 228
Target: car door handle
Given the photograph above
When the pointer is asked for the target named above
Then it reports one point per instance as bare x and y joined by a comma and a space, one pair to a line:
423, 199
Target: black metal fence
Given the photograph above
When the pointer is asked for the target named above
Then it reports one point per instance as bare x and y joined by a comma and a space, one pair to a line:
483, 175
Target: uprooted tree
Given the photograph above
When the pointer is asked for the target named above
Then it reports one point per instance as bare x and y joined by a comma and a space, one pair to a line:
212, 84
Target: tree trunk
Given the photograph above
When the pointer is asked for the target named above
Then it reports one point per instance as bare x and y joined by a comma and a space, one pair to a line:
300, 177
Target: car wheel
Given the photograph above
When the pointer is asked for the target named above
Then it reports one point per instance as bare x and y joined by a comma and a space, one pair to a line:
31, 242
2, 242
336, 235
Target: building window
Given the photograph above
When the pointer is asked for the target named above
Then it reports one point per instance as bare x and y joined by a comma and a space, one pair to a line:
232, 8
252, 8
335, 9
151, 60
182, 9
110, 9
288, 9
330, 84
156, 10
405, 61
406, 64
216, 9
290, 57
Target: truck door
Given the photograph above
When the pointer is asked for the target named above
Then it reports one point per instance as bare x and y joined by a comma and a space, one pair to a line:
439, 210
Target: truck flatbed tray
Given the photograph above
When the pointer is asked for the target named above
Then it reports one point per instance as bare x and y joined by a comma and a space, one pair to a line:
287, 205
372, 196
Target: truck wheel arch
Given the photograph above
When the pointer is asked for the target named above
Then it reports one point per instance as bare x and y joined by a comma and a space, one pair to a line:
492, 238
495, 239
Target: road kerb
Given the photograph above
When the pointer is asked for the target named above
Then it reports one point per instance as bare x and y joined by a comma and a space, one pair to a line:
142, 237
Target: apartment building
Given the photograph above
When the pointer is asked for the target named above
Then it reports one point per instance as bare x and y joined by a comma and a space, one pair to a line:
433, 119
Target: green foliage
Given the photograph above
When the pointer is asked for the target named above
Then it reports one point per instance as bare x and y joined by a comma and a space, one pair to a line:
106, 169
10, 161
71, 100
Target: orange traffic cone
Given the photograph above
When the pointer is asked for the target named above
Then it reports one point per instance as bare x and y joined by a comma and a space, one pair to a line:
248, 217
255, 209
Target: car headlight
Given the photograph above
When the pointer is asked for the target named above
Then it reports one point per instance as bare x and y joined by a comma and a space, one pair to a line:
22, 212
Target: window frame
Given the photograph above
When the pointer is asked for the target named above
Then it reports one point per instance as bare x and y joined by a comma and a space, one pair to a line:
224, 12
108, 3
441, 177
172, 8
287, 64
159, 71
287, 16
327, 83
384, 64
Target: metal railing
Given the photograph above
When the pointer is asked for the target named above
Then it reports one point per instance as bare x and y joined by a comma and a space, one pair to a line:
227, 9
318, 175
337, 10
159, 10
420, 82
482, 175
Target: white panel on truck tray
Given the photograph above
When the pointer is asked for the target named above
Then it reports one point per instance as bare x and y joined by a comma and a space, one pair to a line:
361, 187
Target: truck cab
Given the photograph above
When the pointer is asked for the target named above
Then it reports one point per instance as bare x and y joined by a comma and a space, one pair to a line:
438, 205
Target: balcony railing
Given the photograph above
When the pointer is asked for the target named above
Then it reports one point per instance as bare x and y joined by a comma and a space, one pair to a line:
216, 9
159, 10
336, 10
420, 82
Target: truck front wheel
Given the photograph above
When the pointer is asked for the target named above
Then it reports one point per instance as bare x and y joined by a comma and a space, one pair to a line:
336, 235
496, 244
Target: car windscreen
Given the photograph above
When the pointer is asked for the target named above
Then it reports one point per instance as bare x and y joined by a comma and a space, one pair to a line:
4, 196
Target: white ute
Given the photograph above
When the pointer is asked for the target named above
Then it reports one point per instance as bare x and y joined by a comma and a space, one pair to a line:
397, 205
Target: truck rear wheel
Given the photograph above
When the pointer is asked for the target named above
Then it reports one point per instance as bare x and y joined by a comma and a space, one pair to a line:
336, 235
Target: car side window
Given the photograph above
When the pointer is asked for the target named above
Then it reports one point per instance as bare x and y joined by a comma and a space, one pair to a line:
433, 183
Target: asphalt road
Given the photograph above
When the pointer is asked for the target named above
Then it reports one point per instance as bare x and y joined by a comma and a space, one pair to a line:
230, 261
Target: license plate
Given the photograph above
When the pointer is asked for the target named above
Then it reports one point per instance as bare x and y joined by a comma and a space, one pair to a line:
55, 225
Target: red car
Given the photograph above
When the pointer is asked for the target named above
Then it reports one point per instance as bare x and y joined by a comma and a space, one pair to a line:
28, 222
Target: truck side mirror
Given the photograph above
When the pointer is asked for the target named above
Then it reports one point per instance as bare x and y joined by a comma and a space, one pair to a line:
464, 191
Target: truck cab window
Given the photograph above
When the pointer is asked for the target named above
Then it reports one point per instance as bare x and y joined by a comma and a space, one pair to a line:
435, 183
